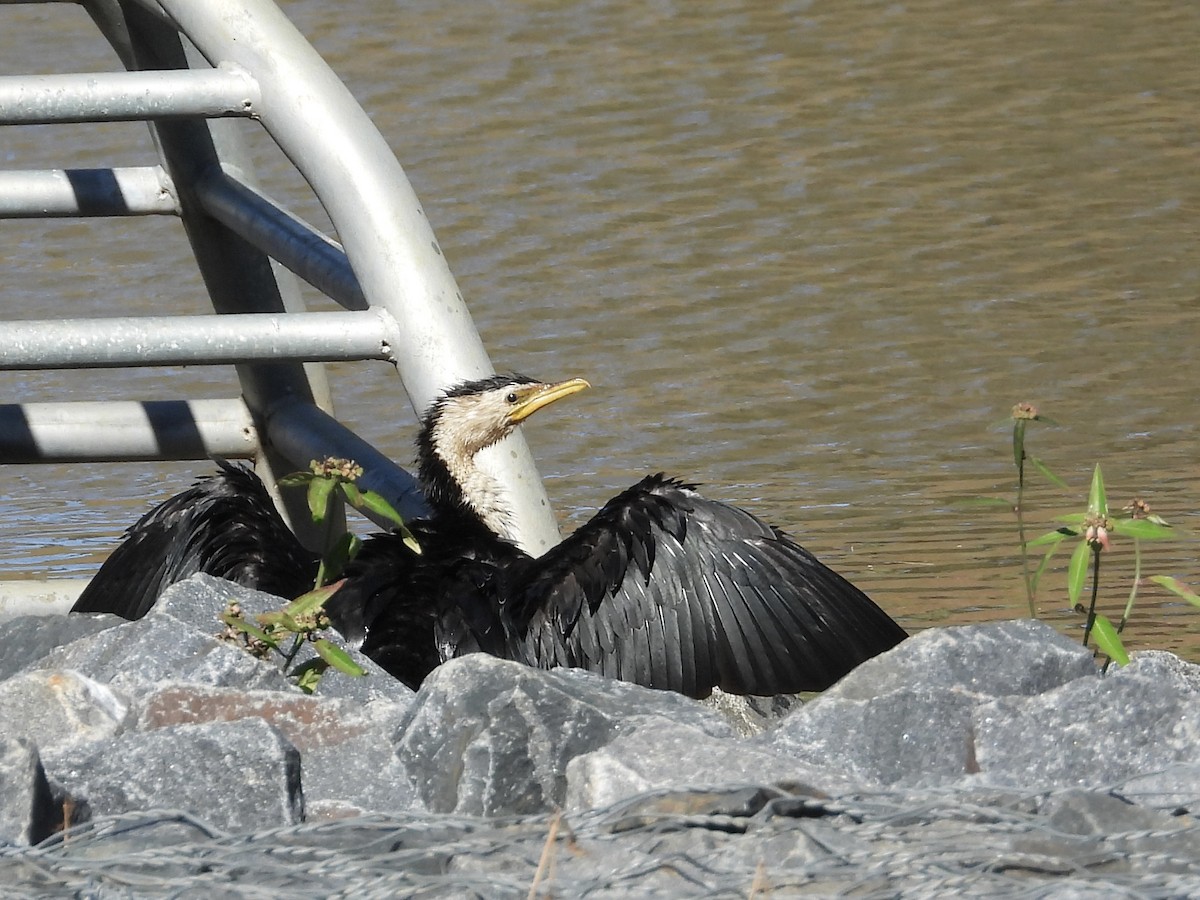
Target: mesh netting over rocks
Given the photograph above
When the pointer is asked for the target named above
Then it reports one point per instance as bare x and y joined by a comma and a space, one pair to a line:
990, 760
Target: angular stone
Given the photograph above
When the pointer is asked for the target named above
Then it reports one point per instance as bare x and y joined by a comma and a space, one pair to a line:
992, 660
1166, 667
347, 758
905, 716
54, 708
751, 715
491, 737
236, 776
139, 655
1095, 732
26, 639
198, 602
1092, 812
27, 805
660, 755
911, 735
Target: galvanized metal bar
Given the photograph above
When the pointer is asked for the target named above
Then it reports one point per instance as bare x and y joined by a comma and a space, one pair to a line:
303, 249
374, 210
239, 277
197, 340
228, 90
111, 431
302, 433
138, 191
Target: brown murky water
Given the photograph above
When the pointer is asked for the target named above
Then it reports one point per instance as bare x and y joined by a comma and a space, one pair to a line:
808, 254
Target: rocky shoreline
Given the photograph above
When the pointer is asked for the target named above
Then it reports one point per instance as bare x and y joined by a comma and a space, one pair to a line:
983, 759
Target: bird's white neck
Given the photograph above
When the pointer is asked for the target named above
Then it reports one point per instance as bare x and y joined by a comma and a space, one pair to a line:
482, 493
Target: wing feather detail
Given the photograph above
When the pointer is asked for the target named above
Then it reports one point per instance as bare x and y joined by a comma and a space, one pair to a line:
671, 590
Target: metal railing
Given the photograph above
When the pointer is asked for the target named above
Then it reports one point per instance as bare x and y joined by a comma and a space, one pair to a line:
192, 67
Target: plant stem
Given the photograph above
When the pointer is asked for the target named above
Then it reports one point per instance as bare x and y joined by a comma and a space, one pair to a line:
290, 656
1091, 617
1019, 456
1137, 577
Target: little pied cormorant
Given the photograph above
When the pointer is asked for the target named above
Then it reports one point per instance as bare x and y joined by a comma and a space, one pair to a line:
661, 587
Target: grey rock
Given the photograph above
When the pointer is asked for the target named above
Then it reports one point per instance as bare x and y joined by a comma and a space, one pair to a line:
348, 762
26, 639
138, 655
992, 660
906, 715
1175, 788
660, 755
197, 603
1075, 811
491, 737
751, 715
1167, 668
1094, 732
909, 735
28, 811
237, 776
54, 708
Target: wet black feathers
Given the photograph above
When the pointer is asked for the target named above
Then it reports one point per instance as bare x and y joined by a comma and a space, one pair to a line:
671, 590
225, 525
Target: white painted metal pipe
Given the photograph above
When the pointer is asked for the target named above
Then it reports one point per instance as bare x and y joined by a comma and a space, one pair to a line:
127, 96
110, 431
375, 212
135, 191
197, 340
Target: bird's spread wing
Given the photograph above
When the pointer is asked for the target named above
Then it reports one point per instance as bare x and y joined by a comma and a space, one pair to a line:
225, 525
665, 588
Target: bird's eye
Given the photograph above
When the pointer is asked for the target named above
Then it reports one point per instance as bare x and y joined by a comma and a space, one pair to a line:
512, 397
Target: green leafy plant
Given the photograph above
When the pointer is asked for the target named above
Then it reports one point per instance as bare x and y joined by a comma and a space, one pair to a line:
285, 632
1095, 528
325, 481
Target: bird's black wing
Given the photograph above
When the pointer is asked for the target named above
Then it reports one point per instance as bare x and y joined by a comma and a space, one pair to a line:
225, 525
670, 590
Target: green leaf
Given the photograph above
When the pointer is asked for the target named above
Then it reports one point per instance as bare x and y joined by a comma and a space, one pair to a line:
376, 503
409, 540
351, 492
1018, 442
1178, 588
1041, 569
313, 600
245, 627
319, 490
1109, 641
1077, 571
277, 618
338, 658
1050, 476
1097, 500
308, 674
1142, 529
1072, 519
1053, 537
